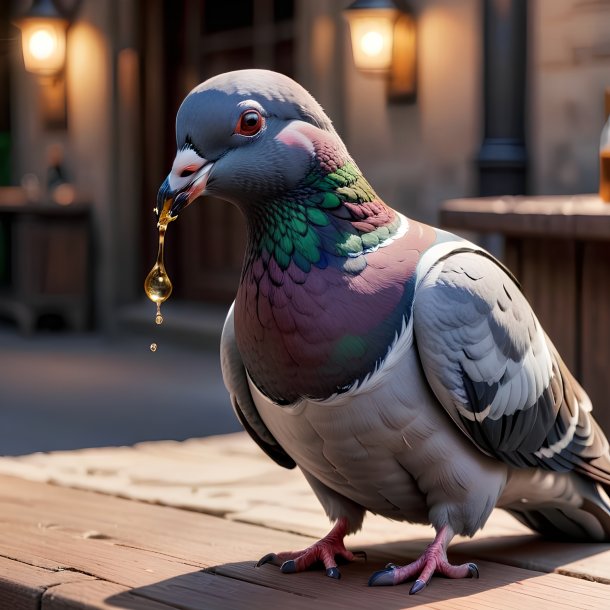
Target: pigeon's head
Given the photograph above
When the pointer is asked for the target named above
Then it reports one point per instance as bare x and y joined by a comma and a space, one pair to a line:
245, 136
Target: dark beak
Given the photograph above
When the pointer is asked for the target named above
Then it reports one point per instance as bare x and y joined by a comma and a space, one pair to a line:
180, 198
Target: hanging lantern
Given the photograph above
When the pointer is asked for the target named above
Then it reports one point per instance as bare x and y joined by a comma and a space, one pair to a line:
383, 42
43, 38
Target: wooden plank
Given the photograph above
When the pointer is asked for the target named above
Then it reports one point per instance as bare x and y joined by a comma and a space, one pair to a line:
274, 500
500, 586
575, 217
22, 586
595, 340
581, 560
51, 512
234, 480
102, 559
98, 595
512, 256
547, 272
157, 575
196, 591
158, 552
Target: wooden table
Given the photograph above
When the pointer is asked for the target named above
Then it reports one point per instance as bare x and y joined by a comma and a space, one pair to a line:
170, 525
559, 250
46, 254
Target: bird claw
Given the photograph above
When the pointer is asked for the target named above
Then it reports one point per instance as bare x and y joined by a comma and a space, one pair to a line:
268, 558
433, 560
327, 551
383, 578
288, 567
418, 585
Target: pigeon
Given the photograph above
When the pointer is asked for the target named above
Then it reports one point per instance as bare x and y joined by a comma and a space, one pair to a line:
399, 366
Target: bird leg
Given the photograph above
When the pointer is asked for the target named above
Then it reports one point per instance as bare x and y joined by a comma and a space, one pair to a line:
325, 550
433, 560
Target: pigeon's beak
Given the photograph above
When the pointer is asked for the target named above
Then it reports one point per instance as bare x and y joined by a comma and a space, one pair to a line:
177, 192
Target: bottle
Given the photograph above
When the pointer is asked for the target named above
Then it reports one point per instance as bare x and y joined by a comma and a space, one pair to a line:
604, 153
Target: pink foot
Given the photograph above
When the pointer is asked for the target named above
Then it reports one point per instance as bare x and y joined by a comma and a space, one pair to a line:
324, 550
434, 560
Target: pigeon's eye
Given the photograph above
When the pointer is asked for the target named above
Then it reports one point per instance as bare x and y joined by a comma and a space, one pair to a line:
250, 123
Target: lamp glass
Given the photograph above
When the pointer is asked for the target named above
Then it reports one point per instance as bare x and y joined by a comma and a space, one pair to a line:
372, 33
44, 45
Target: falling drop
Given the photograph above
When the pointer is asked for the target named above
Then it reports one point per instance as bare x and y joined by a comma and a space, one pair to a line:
157, 285
158, 317
153, 347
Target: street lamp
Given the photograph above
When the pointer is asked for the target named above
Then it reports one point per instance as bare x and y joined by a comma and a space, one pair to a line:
383, 42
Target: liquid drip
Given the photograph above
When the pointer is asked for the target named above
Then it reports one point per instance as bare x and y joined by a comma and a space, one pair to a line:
153, 347
157, 285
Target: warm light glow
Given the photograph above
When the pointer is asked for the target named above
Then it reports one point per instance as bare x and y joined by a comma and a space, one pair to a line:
384, 43
372, 39
44, 45
372, 43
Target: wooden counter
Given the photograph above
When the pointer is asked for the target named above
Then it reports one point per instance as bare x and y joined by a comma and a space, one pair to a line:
559, 249
45, 261
169, 525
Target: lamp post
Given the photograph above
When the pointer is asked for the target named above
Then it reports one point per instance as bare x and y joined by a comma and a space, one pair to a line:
384, 43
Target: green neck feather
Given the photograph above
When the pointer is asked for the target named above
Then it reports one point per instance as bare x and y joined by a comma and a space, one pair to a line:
329, 215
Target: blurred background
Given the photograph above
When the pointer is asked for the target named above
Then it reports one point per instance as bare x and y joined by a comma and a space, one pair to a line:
500, 97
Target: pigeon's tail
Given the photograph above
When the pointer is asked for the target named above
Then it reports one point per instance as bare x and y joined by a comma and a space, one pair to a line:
562, 505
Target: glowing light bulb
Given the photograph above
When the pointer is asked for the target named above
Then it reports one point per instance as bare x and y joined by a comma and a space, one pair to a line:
372, 43
42, 44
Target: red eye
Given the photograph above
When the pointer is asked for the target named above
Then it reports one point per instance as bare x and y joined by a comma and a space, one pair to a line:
250, 123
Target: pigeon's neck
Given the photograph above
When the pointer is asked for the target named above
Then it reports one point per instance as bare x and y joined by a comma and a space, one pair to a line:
331, 217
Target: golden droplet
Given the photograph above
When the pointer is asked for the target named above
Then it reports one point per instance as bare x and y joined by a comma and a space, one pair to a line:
153, 347
157, 285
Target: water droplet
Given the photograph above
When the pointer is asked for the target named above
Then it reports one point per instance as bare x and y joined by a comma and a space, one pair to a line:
153, 347
158, 319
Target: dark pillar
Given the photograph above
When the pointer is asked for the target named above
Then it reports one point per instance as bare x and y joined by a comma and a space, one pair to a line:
8, 40
502, 159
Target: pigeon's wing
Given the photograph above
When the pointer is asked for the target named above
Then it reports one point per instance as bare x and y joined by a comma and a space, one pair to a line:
236, 381
497, 374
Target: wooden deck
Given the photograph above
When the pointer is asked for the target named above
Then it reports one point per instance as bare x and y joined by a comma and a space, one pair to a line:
170, 525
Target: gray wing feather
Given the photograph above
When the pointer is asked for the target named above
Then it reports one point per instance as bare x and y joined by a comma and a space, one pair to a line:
236, 382
496, 372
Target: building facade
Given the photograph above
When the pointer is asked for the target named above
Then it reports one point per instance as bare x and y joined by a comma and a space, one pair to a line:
130, 63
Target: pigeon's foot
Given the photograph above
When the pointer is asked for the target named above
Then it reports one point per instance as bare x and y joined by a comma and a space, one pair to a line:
434, 560
325, 551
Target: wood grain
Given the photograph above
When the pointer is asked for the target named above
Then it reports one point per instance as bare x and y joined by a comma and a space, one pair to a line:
22, 585
67, 548
547, 272
575, 217
595, 339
